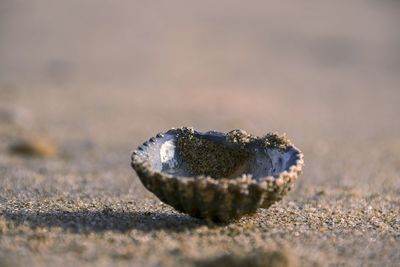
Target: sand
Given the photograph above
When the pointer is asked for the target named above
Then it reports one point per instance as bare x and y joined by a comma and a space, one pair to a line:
86, 206
327, 77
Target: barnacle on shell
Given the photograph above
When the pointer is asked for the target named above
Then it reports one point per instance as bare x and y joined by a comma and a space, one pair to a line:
217, 176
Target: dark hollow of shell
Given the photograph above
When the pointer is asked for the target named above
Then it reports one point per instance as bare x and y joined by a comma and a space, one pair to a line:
216, 176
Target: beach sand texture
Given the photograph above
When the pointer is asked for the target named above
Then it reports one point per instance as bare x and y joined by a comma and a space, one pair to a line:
83, 83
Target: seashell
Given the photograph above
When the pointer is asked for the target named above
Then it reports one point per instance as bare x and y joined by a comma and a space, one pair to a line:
216, 176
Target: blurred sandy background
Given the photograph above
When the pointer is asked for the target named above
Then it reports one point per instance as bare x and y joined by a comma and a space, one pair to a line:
100, 77
257, 65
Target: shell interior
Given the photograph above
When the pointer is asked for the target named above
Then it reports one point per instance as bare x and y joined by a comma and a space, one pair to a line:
213, 154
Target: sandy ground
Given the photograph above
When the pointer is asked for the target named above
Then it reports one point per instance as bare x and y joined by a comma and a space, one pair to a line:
102, 83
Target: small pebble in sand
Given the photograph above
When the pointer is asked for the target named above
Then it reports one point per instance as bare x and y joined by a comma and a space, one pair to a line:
34, 147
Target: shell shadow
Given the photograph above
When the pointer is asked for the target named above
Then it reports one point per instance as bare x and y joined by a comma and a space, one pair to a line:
104, 220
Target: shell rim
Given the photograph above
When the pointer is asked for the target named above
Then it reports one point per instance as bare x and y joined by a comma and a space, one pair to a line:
284, 177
